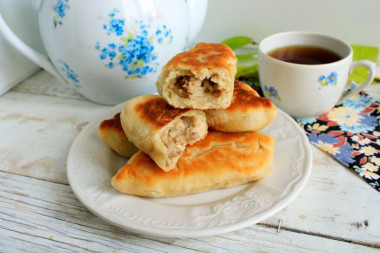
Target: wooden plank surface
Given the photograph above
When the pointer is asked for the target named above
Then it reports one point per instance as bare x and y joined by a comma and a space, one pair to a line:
37, 132
43, 83
43, 216
39, 120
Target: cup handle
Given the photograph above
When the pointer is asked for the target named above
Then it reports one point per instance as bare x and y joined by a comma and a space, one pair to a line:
38, 58
371, 66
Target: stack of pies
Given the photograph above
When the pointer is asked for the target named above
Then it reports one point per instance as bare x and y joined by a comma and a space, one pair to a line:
200, 133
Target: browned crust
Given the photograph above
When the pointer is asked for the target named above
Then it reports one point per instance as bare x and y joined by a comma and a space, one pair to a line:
111, 133
112, 124
246, 98
200, 159
205, 55
157, 112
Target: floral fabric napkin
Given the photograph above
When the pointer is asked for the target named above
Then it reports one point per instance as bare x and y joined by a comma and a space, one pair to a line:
350, 132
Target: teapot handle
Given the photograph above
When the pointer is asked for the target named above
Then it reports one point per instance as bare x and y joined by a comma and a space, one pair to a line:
198, 9
38, 58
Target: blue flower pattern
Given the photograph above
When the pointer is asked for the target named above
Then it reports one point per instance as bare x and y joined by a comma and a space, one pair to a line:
69, 73
342, 154
307, 120
272, 92
60, 8
358, 104
133, 52
331, 79
115, 24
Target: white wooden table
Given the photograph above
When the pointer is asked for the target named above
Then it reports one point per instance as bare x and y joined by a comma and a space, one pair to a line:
39, 120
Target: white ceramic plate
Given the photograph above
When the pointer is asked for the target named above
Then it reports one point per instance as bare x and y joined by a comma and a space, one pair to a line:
91, 164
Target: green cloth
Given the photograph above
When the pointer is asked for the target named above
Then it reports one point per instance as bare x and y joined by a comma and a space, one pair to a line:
363, 53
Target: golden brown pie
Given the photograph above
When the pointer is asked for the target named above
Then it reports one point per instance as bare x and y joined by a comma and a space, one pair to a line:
160, 130
220, 160
200, 78
248, 112
112, 134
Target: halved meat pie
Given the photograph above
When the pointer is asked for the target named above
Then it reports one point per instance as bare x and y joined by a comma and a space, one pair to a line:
201, 78
160, 130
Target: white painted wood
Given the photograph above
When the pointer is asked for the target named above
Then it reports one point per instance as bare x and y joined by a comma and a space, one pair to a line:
44, 216
37, 132
43, 83
335, 203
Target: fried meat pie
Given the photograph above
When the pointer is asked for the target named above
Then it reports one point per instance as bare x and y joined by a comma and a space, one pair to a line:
200, 78
160, 130
220, 160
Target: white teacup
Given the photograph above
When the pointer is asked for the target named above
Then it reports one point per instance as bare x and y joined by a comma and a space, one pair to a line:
304, 90
110, 51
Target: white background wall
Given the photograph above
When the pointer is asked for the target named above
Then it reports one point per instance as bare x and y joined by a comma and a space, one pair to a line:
356, 21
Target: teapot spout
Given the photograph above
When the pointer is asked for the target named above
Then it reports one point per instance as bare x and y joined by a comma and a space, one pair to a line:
198, 9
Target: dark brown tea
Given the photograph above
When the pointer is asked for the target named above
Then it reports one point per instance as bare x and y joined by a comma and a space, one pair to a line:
305, 55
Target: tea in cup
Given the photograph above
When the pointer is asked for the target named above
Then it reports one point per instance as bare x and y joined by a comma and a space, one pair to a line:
305, 73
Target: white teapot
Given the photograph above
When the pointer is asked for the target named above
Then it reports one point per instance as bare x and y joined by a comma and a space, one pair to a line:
111, 50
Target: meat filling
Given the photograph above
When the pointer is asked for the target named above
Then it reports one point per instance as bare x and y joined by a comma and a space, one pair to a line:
181, 134
191, 87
